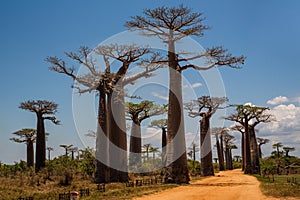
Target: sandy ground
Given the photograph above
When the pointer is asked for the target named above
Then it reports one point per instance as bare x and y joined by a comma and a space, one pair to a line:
233, 185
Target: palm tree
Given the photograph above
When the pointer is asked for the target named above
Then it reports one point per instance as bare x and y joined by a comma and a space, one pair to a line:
153, 150
49, 150
27, 136
147, 148
287, 150
44, 110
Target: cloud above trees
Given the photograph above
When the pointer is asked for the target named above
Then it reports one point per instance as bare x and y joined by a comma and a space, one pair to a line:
278, 100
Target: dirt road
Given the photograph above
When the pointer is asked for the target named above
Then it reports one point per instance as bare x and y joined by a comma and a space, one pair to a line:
228, 185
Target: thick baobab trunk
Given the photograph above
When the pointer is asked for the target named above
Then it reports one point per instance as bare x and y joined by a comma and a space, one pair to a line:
254, 152
30, 153
220, 155
227, 158
247, 156
177, 160
243, 151
135, 158
118, 153
207, 168
259, 151
102, 142
40, 156
163, 146
222, 149
230, 159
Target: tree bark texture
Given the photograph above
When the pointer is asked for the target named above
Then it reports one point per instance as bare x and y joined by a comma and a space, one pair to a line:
40, 144
177, 160
206, 166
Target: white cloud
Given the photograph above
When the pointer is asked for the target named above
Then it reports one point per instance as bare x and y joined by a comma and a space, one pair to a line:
287, 119
278, 100
160, 96
195, 85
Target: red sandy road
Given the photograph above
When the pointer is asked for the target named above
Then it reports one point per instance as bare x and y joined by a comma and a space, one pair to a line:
228, 185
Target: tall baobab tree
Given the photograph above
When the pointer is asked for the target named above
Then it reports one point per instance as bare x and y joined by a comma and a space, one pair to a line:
44, 110
49, 149
219, 133
171, 25
260, 142
241, 129
249, 116
287, 150
162, 124
109, 85
196, 108
228, 143
73, 150
277, 147
67, 148
137, 113
27, 136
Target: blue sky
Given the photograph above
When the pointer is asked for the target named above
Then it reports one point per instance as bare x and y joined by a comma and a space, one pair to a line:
266, 32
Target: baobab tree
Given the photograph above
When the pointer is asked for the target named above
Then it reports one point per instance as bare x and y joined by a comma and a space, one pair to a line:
219, 133
260, 142
27, 136
172, 25
277, 147
67, 148
110, 87
249, 116
49, 149
287, 150
73, 150
196, 108
138, 112
241, 129
228, 143
162, 124
44, 110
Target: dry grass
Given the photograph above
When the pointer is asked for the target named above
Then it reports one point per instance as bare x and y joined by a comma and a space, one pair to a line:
13, 188
280, 187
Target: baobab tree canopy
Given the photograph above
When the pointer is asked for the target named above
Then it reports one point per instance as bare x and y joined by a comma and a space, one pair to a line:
46, 108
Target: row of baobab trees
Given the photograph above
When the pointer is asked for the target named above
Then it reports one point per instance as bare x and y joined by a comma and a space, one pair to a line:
170, 25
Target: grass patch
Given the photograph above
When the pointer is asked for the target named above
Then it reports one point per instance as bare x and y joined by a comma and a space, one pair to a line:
12, 189
280, 187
